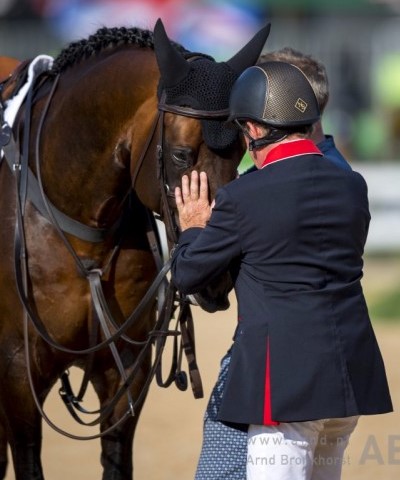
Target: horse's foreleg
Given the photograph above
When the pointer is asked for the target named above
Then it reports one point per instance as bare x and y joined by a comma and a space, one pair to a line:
3, 450
26, 448
116, 452
117, 446
21, 422
24, 426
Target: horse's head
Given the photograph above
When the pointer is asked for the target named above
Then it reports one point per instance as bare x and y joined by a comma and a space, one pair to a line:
194, 90
194, 94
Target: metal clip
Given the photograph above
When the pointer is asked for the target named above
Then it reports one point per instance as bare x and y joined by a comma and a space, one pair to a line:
5, 134
96, 271
171, 253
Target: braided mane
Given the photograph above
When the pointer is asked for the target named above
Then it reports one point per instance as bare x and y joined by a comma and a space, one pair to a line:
104, 38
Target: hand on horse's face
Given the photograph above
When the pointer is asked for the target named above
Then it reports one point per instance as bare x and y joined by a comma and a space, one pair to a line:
194, 209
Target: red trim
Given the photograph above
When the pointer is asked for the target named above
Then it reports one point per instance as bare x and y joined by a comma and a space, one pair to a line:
291, 149
267, 393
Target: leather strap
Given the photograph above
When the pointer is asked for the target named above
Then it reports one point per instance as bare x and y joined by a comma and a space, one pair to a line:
192, 113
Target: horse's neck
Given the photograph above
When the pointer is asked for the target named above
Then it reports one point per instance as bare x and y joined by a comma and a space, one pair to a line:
94, 134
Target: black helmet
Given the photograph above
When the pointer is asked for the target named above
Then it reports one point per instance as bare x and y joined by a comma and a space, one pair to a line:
276, 94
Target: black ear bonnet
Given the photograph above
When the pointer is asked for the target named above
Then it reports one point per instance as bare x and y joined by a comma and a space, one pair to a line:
207, 86
199, 82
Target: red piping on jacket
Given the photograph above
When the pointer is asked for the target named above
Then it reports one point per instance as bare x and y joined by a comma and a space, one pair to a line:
267, 392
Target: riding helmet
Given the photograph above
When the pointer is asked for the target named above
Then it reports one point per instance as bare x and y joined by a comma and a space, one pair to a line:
276, 94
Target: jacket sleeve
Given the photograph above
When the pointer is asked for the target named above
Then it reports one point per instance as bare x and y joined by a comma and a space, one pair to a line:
204, 253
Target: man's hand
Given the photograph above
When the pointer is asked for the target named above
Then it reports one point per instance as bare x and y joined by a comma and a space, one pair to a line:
194, 209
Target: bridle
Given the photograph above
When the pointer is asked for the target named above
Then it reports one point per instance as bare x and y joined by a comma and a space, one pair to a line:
192, 113
165, 189
30, 187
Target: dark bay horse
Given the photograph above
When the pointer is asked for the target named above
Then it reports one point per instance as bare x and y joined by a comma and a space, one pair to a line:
107, 132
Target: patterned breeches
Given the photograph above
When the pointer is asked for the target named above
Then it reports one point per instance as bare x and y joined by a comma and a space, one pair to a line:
224, 449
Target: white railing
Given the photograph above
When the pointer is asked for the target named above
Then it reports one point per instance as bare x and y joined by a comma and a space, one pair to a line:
383, 181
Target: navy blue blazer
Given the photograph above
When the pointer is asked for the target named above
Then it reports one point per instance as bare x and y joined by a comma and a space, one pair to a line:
292, 236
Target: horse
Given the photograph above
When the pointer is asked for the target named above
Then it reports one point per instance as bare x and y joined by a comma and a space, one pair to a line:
105, 133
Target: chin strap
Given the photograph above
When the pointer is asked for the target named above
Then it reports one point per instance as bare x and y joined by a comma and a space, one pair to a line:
273, 137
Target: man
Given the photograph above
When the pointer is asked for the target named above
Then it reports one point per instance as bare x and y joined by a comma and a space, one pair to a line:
224, 448
305, 363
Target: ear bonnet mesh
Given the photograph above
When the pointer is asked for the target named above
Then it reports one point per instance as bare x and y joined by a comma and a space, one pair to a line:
207, 87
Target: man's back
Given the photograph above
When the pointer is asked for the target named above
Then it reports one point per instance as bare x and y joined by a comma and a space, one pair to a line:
303, 223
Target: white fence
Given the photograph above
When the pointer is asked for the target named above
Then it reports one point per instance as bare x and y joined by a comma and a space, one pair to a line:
384, 200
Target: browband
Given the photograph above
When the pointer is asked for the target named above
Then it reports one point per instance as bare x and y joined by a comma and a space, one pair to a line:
193, 113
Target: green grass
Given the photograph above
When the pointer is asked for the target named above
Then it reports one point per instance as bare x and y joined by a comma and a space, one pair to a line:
245, 163
382, 285
386, 307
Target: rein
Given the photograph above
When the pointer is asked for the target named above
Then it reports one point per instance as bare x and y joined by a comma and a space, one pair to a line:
171, 298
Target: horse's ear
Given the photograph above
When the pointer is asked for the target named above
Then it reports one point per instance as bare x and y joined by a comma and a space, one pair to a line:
249, 54
173, 67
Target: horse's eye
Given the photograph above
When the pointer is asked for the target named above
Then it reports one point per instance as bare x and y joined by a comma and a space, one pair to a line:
182, 158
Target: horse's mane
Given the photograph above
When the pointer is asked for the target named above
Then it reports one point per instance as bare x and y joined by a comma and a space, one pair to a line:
104, 38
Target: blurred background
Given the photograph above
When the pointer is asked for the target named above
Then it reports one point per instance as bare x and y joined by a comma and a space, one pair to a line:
359, 43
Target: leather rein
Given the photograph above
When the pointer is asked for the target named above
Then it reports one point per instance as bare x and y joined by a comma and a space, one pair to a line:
170, 300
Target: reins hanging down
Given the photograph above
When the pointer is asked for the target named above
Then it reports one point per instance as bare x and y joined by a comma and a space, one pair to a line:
29, 186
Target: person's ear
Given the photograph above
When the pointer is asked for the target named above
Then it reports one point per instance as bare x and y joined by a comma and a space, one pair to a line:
252, 129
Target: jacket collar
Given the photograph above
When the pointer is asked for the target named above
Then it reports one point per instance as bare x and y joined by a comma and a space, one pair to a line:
292, 149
